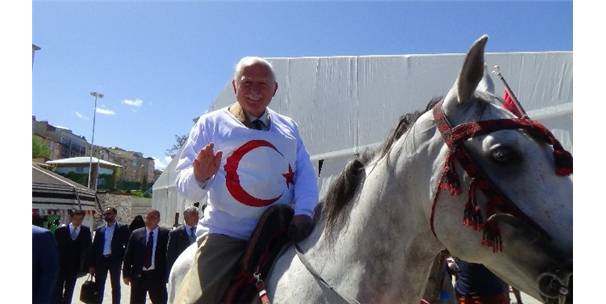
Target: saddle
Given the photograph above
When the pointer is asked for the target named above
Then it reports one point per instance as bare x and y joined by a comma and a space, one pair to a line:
266, 242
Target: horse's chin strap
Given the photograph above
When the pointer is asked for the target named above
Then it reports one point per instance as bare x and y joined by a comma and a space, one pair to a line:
496, 199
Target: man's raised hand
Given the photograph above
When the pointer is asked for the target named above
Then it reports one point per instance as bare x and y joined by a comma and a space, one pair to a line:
207, 163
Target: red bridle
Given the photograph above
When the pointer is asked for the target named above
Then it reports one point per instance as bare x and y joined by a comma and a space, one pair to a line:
496, 199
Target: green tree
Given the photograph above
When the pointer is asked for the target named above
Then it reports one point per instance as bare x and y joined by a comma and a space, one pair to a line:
39, 148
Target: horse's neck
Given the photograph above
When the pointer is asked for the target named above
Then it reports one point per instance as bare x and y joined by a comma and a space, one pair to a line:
385, 248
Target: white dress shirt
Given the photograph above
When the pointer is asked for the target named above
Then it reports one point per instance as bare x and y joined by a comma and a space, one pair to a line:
155, 240
264, 118
189, 231
73, 235
109, 235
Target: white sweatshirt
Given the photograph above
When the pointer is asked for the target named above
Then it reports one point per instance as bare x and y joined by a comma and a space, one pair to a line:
258, 169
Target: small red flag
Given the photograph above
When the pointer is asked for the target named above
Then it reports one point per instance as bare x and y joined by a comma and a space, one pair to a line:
510, 105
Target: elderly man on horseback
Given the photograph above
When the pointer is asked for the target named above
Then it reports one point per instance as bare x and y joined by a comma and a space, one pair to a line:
247, 158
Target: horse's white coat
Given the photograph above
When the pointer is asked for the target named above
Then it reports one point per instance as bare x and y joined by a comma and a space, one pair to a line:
383, 250
180, 267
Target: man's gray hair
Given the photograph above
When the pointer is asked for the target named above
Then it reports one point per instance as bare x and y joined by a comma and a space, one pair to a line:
250, 60
190, 210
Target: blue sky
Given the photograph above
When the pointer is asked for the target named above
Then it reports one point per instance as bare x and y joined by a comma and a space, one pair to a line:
160, 64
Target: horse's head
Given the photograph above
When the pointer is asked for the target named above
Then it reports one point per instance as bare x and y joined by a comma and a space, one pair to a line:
516, 197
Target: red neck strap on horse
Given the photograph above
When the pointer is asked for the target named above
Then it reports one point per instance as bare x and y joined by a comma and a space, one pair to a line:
496, 199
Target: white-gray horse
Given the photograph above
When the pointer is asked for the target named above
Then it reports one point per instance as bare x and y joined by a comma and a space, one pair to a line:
374, 241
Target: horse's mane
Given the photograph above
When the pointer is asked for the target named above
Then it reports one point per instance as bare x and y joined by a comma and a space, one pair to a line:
342, 190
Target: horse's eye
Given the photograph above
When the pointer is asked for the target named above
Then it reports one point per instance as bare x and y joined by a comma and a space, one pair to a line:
503, 155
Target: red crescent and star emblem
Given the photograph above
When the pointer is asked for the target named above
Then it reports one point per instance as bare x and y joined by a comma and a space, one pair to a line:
232, 179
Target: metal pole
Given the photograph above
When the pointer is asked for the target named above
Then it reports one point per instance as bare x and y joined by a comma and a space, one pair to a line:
497, 71
90, 160
97, 175
34, 49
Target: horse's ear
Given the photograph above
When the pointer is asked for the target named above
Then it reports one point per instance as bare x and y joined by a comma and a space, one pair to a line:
486, 84
468, 80
472, 71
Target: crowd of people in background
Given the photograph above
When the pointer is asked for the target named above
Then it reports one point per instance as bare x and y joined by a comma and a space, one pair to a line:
140, 254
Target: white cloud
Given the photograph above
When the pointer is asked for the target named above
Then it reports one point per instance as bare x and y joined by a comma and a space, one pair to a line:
79, 115
105, 111
133, 102
161, 164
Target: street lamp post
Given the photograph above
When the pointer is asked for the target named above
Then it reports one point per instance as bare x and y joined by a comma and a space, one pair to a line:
92, 141
34, 49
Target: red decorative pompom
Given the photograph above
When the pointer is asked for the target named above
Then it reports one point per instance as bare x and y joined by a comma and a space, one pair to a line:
563, 162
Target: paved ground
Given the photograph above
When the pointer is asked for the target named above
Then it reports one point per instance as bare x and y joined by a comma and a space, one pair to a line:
107, 298
525, 299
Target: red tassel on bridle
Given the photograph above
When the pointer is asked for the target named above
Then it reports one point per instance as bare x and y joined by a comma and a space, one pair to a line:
563, 160
472, 216
491, 237
450, 179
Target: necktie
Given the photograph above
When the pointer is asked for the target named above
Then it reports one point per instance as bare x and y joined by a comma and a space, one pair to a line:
192, 235
148, 250
258, 124
74, 234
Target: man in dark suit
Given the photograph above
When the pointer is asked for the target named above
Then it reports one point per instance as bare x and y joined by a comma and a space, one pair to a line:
183, 236
107, 252
145, 261
74, 241
45, 265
